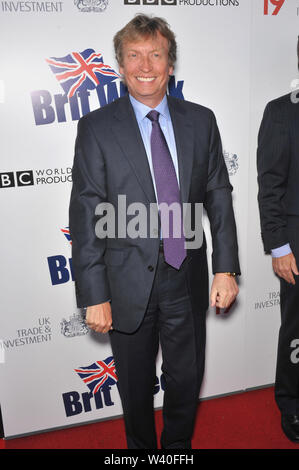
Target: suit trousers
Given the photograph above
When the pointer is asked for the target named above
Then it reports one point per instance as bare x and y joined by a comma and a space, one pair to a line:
287, 369
171, 321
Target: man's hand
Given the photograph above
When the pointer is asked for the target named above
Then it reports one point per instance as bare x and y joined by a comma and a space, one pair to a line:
224, 290
285, 267
99, 317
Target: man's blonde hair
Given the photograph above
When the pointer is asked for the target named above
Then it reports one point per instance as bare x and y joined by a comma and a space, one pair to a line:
142, 26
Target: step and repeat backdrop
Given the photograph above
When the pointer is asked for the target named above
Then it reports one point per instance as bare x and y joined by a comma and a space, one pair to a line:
234, 56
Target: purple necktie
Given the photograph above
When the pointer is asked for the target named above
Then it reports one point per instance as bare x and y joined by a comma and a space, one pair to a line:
168, 192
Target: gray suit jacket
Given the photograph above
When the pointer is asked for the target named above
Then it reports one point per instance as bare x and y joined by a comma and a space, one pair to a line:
110, 159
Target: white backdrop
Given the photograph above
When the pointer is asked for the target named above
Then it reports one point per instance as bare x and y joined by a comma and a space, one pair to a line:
232, 58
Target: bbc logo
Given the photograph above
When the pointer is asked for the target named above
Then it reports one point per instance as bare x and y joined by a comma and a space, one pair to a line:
150, 2
19, 178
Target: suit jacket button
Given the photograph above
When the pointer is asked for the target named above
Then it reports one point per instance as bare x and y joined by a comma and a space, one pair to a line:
150, 268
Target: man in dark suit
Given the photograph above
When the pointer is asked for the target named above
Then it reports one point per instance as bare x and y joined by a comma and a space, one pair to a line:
278, 178
151, 149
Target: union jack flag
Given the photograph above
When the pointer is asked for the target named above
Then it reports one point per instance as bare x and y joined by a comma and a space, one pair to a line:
98, 374
66, 233
81, 71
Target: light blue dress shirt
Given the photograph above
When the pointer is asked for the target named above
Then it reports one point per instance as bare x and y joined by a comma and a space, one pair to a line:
145, 126
281, 251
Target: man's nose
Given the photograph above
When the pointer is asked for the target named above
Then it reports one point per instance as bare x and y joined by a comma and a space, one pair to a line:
145, 64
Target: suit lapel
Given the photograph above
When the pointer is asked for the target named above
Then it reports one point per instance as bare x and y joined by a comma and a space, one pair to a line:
127, 133
184, 138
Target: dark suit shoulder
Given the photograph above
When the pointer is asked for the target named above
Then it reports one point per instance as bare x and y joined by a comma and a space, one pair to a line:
281, 100
284, 108
280, 103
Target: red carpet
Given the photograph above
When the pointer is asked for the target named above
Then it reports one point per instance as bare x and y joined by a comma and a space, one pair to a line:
247, 420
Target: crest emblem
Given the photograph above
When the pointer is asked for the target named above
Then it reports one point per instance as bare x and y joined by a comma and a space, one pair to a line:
231, 160
74, 327
87, 6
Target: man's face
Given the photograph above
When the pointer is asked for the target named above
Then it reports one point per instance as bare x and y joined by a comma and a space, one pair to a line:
146, 69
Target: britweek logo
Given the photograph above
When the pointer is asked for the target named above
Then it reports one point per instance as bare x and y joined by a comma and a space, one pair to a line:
81, 74
100, 378
60, 267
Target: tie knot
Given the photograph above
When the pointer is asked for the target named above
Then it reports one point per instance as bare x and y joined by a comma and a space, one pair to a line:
153, 115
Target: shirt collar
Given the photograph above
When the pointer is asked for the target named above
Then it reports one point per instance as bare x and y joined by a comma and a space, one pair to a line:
141, 110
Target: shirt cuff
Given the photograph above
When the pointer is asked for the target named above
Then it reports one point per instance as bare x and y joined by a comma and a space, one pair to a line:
281, 251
